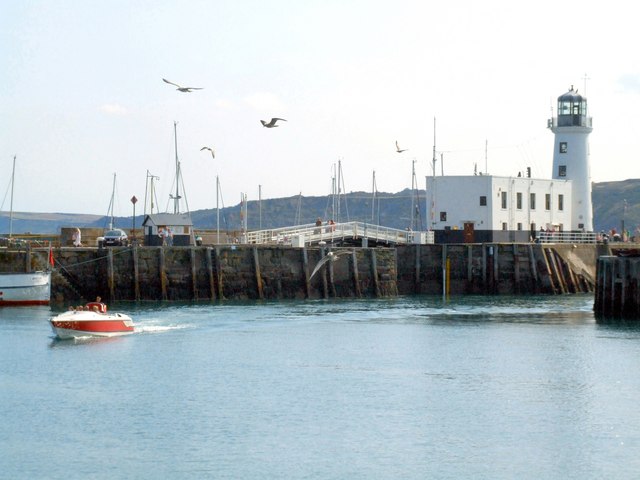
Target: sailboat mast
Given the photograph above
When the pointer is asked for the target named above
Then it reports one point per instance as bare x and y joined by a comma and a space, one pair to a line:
13, 176
176, 200
113, 193
373, 198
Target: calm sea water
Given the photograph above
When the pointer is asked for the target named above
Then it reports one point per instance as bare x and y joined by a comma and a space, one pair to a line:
410, 388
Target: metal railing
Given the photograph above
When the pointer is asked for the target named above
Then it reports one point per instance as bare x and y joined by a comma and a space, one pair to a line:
311, 233
568, 237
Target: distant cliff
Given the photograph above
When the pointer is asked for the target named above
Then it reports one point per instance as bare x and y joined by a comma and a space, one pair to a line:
388, 209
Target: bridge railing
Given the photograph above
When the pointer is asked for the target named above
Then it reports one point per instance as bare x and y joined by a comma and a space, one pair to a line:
301, 235
568, 237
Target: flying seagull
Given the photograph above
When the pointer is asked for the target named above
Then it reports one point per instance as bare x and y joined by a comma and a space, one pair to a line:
398, 149
213, 154
181, 89
272, 122
329, 257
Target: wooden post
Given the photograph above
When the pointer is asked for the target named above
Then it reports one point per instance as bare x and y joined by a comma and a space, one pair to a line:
496, 270
444, 271
612, 290
534, 270
194, 275
323, 276
469, 263
136, 273
305, 271
110, 277
416, 279
256, 266
374, 272
332, 284
484, 268
212, 283
516, 270
27, 259
163, 275
356, 277
219, 274
558, 273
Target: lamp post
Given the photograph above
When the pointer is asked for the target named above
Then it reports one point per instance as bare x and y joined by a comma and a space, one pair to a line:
134, 200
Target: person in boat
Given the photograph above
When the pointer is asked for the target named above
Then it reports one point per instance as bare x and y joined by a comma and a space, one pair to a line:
97, 306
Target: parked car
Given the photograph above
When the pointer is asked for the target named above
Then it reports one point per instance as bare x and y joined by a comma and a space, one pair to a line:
115, 237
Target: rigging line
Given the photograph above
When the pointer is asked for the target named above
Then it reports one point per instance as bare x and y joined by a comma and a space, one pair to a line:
94, 260
184, 192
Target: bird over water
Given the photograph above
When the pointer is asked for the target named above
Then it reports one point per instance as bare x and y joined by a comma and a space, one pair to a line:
329, 257
181, 89
213, 154
271, 123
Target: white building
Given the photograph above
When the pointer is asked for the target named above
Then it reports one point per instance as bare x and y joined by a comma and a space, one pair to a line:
488, 208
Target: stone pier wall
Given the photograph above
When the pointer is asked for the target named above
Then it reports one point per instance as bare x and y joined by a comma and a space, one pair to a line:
617, 294
213, 273
249, 272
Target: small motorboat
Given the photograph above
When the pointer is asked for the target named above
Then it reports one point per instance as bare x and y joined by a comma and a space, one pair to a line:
83, 323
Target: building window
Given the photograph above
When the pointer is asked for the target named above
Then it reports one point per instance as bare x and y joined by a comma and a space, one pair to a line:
519, 226
503, 198
504, 226
547, 201
562, 170
483, 200
519, 200
443, 216
563, 147
532, 201
560, 202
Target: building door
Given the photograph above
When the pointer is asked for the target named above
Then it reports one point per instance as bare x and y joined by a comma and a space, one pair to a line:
468, 232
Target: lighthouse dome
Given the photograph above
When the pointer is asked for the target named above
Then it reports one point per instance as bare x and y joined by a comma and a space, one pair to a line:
572, 109
571, 96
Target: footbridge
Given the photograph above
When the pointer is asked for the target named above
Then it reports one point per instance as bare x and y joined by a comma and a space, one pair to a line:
312, 234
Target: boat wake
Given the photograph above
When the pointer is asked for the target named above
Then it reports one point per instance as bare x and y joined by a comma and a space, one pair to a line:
158, 328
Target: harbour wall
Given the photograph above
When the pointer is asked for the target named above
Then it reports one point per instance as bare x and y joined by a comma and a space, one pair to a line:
247, 272
617, 293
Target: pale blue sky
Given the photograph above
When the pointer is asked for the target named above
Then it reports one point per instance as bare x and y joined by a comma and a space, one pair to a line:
82, 97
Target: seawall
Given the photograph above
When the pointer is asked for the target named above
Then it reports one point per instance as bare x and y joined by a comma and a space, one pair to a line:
249, 272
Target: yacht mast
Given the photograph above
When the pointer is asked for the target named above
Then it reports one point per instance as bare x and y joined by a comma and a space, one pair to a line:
13, 175
176, 199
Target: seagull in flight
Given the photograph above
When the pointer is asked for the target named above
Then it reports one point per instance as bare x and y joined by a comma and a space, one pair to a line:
272, 122
398, 149
181, 89
213, 154
329, 257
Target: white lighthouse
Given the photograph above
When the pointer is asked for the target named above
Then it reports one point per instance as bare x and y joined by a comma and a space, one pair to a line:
571, 128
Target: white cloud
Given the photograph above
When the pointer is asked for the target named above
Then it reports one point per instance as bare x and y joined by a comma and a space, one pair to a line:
265, 101
224, 104
114, 109
629, 83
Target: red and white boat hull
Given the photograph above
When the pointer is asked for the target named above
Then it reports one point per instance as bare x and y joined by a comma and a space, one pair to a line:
74, 324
